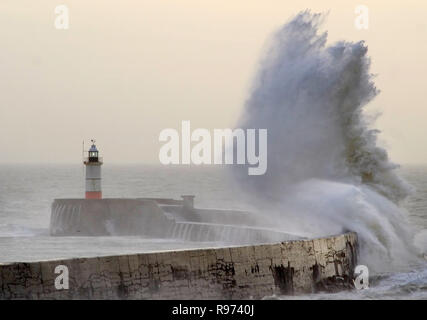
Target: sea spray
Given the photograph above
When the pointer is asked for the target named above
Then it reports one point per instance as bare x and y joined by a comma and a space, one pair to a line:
326, 173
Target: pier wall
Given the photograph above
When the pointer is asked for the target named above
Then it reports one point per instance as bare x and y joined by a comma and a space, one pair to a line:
256, 271
150, 218
101, 217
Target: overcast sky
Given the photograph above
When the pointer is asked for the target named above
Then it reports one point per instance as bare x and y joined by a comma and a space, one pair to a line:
125, 70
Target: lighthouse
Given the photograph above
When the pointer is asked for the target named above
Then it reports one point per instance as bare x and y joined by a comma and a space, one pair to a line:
93, 165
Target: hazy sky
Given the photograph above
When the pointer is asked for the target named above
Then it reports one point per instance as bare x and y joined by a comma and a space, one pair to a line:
125, 70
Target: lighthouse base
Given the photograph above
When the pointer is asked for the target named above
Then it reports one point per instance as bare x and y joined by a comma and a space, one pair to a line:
93, 195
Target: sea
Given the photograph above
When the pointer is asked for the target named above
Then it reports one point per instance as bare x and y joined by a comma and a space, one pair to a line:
27, 192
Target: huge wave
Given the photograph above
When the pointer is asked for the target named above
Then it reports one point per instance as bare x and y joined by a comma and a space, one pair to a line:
326, 174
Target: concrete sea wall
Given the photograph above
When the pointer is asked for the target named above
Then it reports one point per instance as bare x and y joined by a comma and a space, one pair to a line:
157, 218
100, 217
255, 271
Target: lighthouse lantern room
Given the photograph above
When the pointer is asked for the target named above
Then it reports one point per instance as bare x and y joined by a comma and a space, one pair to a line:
93, 173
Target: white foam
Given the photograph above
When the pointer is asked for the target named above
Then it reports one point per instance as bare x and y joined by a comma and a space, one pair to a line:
326, 174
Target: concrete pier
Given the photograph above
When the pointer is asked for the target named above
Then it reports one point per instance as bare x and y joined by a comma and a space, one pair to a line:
255, 271
159, 218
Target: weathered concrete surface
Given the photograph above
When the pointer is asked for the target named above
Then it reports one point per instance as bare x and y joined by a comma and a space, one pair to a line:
256, 271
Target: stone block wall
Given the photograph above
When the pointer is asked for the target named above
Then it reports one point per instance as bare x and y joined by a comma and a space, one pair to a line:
256, 271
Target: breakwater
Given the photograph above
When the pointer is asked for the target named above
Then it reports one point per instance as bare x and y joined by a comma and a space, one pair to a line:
254, 271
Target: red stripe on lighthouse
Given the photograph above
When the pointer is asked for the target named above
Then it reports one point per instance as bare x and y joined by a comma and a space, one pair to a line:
93, 195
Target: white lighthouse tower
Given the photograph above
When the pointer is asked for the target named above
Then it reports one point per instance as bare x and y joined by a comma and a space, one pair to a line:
93, 165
